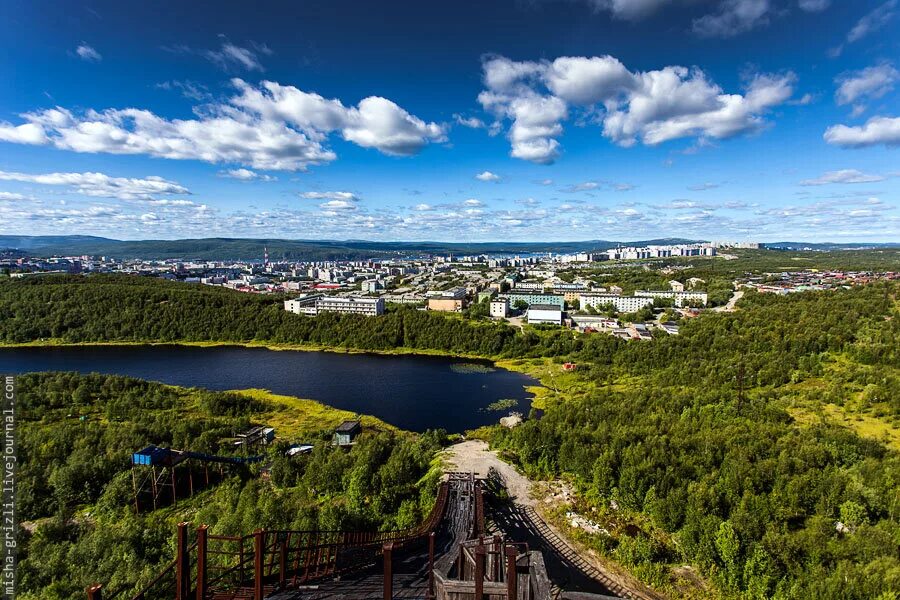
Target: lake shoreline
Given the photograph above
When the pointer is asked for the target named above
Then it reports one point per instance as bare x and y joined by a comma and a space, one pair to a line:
326, 387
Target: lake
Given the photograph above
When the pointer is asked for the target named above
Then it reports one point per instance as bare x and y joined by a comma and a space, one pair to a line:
411, 392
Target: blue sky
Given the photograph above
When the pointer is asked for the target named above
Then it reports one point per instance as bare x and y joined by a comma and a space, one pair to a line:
520, 120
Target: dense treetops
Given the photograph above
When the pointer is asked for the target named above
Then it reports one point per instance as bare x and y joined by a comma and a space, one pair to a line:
692, 436
76, 435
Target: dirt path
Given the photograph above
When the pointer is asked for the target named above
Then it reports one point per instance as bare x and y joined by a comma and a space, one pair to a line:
474, 455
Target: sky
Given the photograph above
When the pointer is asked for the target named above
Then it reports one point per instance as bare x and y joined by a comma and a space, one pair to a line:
506, 120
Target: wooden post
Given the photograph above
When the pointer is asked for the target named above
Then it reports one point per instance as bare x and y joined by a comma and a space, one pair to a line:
202, 542
512, 578
387, 550
479, 570
182, 563
282, 564
258, 547
95, 592
431, 565
496, 559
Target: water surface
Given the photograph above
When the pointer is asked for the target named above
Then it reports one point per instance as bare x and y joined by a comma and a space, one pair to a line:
411, 392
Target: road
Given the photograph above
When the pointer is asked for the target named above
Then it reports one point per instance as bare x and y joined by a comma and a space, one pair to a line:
570, 565
729, 306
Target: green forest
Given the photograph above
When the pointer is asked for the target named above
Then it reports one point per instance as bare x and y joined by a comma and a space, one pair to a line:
76, 436
760, 446
695, 440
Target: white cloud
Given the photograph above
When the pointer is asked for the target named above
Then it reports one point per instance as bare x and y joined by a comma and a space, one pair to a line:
272, 127
473, 202
843, 176
487, 176
584, 186
872, 21
228, 56
813, 5
868, 24
102, 185
733, 17
871, 82
338, 196
649, 107
189, 89
877, 130
28, 133
703, 187
470, 122
332, 205
630, 10
379, 123
13, 196
246, 175
87, 53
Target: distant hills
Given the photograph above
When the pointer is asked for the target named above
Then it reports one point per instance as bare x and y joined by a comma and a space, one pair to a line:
249, 249
824, 246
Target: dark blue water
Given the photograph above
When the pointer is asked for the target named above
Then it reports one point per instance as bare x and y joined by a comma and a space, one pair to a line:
411, 392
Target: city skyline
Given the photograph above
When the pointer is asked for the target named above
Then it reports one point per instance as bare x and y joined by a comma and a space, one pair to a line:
517, 121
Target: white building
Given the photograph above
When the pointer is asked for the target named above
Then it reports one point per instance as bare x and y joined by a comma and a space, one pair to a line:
544, 313
303, 305
680, 297
369, 307
372, 285
623, 304
500, 307
676, 286
313, 304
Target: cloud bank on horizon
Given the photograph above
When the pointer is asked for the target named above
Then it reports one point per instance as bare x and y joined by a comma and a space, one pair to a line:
719, 127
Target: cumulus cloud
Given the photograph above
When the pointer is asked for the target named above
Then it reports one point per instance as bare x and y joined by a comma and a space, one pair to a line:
487, 176
271, 127
733, 17
246, 175
843, 176
87, 53
869, 83
102, 185
648, 107
876, 131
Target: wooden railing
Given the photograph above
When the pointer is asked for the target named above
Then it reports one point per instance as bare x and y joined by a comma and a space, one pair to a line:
257, 564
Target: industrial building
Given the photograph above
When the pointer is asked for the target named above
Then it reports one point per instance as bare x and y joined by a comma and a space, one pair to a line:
539, 314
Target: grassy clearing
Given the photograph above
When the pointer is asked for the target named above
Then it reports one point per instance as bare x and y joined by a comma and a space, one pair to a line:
864, 425
295, 418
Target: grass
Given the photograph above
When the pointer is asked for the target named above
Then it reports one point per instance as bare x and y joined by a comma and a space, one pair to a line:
299, 418
864, 425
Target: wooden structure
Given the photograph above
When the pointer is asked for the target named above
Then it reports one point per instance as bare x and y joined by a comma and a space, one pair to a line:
271, 563
345, 433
